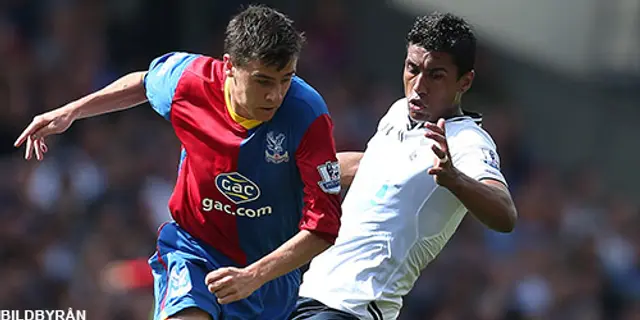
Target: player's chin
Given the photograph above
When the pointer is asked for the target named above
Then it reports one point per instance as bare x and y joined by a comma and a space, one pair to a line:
264, 114
420, 115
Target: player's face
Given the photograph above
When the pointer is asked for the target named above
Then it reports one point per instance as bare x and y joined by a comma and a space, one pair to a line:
431, 84
258, 90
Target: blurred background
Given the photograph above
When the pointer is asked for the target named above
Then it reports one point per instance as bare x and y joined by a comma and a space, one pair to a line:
558, 81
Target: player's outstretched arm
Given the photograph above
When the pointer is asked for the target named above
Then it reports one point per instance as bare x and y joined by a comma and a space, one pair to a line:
488, 200
349, 163
123, 93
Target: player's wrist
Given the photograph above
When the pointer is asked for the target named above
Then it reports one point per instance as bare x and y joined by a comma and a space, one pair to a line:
257, 273
71, 110
454, 181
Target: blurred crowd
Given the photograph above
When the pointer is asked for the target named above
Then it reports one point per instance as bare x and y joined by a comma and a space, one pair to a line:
102, 190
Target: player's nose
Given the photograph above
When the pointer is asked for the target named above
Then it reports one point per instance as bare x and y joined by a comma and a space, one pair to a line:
420, 84
274, 96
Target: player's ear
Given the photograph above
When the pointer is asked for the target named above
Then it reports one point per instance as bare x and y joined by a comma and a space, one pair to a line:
227, 65
465, 81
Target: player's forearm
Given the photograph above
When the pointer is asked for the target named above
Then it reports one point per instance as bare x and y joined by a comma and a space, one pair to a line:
291, 255
349, 163
123, 93
490, 203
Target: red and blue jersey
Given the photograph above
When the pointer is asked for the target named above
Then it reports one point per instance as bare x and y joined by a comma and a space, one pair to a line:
246, 187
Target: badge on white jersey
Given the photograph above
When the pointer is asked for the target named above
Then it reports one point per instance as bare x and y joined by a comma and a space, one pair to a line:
330, 175
491, 158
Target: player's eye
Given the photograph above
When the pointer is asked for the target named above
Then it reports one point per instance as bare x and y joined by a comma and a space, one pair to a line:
412, 68
264, 83
437, 76
285, 81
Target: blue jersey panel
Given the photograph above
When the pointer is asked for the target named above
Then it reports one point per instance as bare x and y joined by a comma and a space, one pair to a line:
302, 105
276, 212
162, 79
267, 157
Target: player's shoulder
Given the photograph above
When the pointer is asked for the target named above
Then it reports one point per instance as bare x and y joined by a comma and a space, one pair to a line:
188, 64
396, 114
467, 130
304, 99
399, 109
170, 61
208, 69
303, 104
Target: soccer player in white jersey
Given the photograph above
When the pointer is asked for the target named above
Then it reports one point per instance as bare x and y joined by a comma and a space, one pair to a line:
428, 164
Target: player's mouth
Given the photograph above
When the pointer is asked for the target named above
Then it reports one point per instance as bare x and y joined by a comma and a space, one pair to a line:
268, 109
416, 105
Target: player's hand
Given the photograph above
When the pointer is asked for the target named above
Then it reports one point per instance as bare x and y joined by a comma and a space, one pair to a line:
232, 284
52, 122
443, 170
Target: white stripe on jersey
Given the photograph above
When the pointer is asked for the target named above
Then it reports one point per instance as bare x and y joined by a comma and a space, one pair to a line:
396, 219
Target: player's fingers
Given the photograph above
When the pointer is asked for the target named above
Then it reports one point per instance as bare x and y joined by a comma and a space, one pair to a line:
37, 149
34, 126
215, 286
442, 156
440, 138
226, 292
230, 298
215, 275
24, 135
437, 137
434, 171
43, 146
441, 124
28, 150
434, 128
218, 285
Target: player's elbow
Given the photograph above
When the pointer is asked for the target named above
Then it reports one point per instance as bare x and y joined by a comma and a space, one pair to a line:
500, 215
346, 180
349, 165
503, 213
508, 221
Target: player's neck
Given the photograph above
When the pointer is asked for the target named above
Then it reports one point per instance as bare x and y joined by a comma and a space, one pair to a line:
233, 105
240, 110
455, 111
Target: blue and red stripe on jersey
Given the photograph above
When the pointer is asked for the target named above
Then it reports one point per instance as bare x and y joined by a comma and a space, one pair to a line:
244, 187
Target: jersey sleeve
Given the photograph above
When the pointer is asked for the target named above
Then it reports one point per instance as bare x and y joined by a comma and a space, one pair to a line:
162, 78
320, 173
477, 157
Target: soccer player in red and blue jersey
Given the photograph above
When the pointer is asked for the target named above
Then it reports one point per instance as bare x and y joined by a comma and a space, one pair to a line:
257, 194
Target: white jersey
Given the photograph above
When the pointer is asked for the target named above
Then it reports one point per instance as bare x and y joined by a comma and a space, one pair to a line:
396, 219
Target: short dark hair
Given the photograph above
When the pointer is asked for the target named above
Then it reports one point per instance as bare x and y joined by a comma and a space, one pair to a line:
445, 32
260, 33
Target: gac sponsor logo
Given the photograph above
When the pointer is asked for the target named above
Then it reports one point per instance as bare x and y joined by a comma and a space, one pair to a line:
210, 205
237, 187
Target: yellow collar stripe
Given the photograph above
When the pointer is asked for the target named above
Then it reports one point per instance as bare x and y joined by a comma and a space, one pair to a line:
246, 123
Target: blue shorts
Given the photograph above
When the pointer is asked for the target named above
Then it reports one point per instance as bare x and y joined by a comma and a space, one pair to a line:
180, 265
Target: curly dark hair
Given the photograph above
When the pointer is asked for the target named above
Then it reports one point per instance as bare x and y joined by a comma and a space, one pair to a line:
260, 33
445, 32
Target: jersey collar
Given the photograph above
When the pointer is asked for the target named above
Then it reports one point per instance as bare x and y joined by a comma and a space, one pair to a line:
475, 116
